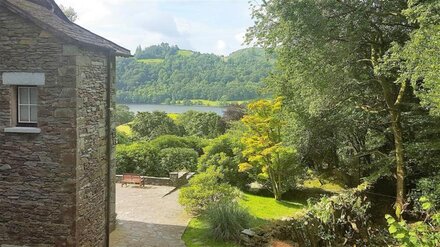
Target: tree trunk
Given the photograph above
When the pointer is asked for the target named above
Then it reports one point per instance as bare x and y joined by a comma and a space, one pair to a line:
275, 187
393, 97
277, 194
400, 172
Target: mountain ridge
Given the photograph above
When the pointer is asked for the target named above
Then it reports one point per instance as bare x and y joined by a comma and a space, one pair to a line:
168, 74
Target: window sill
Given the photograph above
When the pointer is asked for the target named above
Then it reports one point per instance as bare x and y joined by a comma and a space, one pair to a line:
23, 130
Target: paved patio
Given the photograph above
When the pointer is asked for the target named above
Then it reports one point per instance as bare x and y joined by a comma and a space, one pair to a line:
147, 219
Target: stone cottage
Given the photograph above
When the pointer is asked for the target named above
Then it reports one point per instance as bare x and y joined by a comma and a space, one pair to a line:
56, 139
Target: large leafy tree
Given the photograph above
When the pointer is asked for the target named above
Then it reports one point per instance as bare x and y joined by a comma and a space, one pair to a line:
420, 55
150, 125
203, 124
122, 115
264, 148
70, 13
335, 52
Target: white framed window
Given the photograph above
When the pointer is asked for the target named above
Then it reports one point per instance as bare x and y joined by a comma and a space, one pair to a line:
27, 105
24, 100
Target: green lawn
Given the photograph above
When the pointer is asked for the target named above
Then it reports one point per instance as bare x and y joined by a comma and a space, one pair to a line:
266, 208
196, 235
326, 186
262, 208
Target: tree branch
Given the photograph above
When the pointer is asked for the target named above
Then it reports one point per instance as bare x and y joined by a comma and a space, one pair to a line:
401, 94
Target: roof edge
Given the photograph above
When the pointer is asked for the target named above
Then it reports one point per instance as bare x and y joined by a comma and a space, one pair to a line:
127, 51
121, 51
55, 8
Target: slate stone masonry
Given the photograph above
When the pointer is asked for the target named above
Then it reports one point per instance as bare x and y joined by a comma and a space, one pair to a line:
53, 184
92, 147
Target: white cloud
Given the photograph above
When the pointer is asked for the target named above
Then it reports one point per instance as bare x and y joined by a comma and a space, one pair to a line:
240, 37
190, 24
221, 47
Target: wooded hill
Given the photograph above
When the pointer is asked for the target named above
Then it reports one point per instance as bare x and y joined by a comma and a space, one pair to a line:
166, 74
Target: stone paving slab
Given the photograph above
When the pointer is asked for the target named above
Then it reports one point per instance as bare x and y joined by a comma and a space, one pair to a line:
147, 219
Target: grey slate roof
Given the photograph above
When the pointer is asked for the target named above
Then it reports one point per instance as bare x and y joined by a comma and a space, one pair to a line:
47, 15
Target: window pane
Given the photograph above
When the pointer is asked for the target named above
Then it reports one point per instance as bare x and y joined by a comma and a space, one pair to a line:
24, 113
23, 95
34, 110
34, 95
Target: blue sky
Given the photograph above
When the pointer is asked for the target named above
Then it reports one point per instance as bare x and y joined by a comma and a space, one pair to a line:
209, 26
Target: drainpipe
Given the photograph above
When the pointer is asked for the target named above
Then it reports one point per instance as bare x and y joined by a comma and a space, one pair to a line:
109, 147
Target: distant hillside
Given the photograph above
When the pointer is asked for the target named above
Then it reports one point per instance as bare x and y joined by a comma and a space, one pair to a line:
166, 74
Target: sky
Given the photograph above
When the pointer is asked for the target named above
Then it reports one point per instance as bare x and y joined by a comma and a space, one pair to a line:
207, 26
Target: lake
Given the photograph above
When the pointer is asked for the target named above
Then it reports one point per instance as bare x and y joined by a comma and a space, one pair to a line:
174, 108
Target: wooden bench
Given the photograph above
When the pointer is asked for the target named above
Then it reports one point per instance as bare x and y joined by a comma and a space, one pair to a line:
131, 178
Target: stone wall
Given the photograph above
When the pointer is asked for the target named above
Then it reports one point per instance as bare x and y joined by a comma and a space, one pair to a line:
92, 147
53, 184
112, 212
37, 171
175, 179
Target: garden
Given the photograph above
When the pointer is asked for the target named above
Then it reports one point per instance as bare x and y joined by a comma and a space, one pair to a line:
247, 179
346, 152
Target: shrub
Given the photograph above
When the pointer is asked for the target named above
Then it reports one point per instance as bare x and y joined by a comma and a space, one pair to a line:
122, 137
124, 134
225, 153
234, 112
427, 187
421, 233
172, 141
203, 124
138, 158
150, 125
178, 159
122, 115
205, 189
341, 220
227, 220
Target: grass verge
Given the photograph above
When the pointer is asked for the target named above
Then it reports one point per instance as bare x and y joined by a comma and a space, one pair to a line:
261, 207
196, 235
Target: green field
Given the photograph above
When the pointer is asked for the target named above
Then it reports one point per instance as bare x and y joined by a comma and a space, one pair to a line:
260, 207
216, 103
185, 53
151, 60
